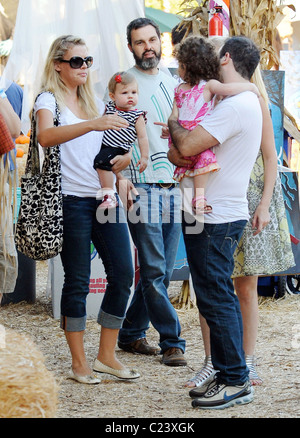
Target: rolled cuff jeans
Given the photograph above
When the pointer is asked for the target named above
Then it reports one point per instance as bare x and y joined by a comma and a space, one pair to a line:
210, 259
111, 240
155, 227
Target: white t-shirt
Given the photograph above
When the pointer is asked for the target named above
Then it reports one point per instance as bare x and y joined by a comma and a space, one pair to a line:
79, 178
156, 94
236, 123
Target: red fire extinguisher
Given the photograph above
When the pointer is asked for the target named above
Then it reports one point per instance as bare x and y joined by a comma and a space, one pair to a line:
216, 23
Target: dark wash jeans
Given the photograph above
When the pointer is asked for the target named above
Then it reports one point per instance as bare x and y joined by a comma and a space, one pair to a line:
156, 234
111, 240
210, 258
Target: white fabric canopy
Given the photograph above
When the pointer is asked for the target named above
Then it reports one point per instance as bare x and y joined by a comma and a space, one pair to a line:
101, 23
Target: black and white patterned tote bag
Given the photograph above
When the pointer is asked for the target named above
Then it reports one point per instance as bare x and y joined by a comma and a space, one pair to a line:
39, 230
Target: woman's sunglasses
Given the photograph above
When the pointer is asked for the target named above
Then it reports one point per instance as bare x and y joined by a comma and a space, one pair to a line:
77, 61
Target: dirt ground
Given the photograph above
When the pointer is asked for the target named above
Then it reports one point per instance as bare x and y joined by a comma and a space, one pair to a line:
159, 393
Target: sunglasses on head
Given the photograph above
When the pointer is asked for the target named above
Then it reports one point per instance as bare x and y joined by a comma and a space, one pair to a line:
77, 61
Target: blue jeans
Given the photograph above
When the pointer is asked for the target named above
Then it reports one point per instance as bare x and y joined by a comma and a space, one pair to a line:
111, 240
155, 228
210, 258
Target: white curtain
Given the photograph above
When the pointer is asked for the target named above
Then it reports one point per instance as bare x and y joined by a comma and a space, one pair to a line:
101, 23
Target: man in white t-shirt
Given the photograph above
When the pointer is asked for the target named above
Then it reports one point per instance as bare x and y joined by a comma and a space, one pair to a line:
234, 131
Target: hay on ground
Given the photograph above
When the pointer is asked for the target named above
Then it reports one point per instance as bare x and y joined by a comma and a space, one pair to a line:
27, 388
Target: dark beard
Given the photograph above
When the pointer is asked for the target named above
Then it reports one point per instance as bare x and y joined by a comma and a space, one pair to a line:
147, 63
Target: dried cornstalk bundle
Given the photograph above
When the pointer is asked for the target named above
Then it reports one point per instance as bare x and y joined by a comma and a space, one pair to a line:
27, 388
256, 19
183, 301
196, 22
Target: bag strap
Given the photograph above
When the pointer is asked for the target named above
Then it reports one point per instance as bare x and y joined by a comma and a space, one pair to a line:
52, 154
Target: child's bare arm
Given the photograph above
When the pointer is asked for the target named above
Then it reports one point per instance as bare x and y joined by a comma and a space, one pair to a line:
214, 87
143, 143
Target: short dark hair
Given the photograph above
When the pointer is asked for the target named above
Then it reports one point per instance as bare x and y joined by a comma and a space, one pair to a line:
137, 24
200, 59
244, 53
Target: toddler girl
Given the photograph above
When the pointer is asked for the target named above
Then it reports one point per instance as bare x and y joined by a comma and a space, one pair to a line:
199, 68
123, 92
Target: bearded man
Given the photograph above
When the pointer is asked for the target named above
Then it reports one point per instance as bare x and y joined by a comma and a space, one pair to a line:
154, 222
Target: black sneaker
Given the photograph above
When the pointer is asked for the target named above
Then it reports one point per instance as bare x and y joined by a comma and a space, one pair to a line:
221, 396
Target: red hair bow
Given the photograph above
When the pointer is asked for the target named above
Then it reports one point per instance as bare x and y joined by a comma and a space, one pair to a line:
118, 78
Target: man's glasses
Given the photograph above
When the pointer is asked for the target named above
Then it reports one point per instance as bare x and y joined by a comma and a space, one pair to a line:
77, 61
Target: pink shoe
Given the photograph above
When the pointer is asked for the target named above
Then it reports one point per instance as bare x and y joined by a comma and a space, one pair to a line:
109, 201
200, 206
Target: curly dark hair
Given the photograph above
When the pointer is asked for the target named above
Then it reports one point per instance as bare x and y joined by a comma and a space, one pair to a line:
200, 59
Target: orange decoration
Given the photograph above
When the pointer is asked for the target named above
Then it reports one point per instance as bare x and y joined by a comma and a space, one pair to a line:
22, 139
20, 152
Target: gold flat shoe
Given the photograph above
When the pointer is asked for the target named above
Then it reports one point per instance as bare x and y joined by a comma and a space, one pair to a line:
124, 373
89, 379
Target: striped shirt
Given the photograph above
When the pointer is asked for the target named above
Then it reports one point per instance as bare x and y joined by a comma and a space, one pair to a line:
126, 136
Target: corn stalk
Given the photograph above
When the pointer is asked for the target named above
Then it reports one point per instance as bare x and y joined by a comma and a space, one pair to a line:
183, 300
196, 22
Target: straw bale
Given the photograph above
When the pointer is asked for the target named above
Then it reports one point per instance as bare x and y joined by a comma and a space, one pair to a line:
27, 388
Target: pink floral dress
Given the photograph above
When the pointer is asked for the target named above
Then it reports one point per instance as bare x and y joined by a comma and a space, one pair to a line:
192, 109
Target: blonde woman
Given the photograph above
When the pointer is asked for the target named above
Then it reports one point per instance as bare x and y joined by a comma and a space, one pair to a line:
80, 133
